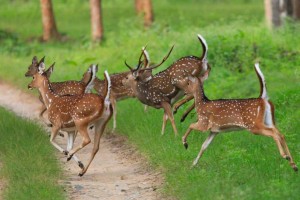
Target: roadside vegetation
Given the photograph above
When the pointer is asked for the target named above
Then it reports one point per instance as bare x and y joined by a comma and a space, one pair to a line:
29, 165
236, 165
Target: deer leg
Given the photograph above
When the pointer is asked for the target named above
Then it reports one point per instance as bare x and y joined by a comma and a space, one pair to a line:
273, 132
113, 104
181, 102
193, 126
54, 132
43, 109
99, 130
168, 111
204, 146
285, 147
71, 139
165, 118
269, 132
185, 114
145, 108
82, 128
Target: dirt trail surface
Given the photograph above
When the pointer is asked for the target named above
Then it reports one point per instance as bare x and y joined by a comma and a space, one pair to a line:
117, 172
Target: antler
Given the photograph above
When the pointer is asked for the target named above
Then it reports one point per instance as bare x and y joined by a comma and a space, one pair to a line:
163, 60
139, 62
146, 58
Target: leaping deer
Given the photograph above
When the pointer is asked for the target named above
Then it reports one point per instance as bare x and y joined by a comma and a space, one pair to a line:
60, 88
164, 88
75, 112
255, 115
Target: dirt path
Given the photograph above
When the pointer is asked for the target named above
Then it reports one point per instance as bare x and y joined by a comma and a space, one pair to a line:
117, 172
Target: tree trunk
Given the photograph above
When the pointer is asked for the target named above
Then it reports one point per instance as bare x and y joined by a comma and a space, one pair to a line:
96, 20
49, 26
148, 17
272, 11
296, 9
138, 6
289, 8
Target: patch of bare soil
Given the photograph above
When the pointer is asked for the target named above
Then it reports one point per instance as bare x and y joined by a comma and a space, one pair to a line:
117, 172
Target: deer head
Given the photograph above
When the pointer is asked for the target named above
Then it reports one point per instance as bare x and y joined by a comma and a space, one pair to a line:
37, 66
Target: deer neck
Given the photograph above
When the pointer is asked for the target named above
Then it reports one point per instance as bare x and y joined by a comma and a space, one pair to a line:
199, 96
47, 93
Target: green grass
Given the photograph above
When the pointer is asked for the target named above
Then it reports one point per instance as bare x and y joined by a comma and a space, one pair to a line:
237, 165
30, 167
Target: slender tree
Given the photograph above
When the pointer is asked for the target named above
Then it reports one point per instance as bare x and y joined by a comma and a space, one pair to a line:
145, 7
272, 11
138, 6
148, 17
49, 26
296, 9
96, 20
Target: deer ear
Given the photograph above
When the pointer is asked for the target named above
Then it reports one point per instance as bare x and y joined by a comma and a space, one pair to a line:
42, 60
34, 60
41, 67
49, 71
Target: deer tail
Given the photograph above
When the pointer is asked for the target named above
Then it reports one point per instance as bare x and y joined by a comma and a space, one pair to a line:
262, 82
107, 87
90, 84
204, 47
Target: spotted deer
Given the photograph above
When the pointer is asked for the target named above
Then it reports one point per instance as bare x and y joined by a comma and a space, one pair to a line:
163, 89
75, 112
60, 88
254, 114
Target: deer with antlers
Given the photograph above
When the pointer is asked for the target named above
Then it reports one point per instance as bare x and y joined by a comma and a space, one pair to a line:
164, 88
77, 112
255, 115
60, 88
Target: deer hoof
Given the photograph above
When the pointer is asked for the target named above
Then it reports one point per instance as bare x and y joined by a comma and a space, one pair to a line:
80, 164
65, 152
295, 168
70, 157
182, 119
185, 145
81, 174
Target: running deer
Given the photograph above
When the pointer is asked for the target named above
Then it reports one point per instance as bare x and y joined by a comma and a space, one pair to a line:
60, 88
254, 114
164, 88
152, 94
77, 112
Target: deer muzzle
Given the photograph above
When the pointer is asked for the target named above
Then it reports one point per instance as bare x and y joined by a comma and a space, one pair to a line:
29, 87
